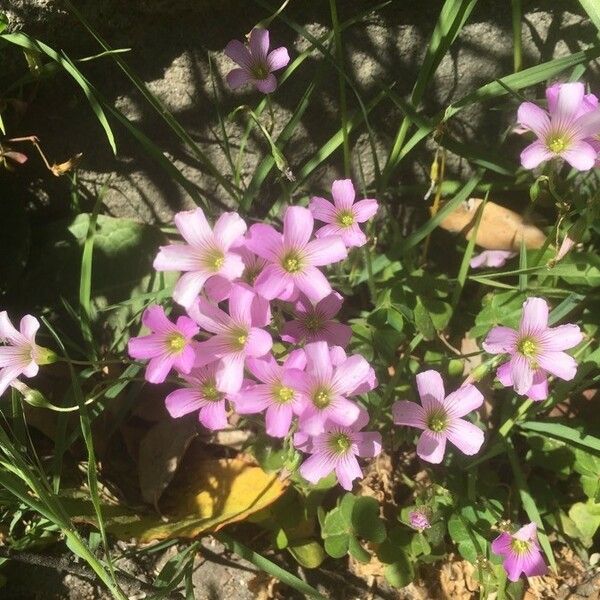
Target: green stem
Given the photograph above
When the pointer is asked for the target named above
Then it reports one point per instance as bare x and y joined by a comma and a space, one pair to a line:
517, 13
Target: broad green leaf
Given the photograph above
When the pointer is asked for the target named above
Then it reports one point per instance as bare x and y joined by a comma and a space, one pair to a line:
503, 308
423, 322
400, 573
588, 466
563, 432
309, 553
366, 521
586, 518
592, 8
337, 545
357, 551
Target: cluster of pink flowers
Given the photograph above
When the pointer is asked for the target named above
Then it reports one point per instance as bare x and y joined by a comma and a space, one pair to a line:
569, 129
241, 288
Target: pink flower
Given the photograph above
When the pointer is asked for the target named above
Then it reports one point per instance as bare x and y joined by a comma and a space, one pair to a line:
314, 323
535, 350
280, 401
440, 417
521, 553
366, 384
20, 355
336, 450
169, 345
491, 258
564, 130
292, 258
343, 215
237, 335
324, 388
200, 394
256, 62
419, 519
206, 254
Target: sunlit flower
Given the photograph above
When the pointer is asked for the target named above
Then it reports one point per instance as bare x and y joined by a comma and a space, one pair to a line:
169, 345
535, 350
314, 322
206, 254
336, 450
324, 389
343, 215
562, 131
439, 416
280, 401
20, 355
491, 258
521, 553
256, 62
366, 384
238, 335
293, 259
200, 394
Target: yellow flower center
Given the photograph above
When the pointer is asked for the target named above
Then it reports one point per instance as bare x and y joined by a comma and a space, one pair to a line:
176, 342
321, 398
527, 347
557, 143
437, 420
345, 218
260, 71
340, 443
520, 546
214, 260
239, 337
283, 394
292, 262
210, 392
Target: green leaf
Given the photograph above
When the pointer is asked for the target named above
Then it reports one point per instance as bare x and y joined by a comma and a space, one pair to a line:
586, 518
470, 544
563, 432
578, 269
400, 573
423, 322
357, 551
503, 308
366, 521
588, 466
3, 22
337, 545
592, 8
309, 554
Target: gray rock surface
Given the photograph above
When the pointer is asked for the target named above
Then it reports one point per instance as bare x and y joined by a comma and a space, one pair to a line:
170, 44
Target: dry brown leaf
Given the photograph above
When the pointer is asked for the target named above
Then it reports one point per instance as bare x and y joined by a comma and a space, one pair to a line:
160, 453
456, 581
64, 167
499, 229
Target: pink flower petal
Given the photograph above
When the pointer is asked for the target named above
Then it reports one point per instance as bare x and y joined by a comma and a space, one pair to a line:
535, 316
158, 368
229, 229
267, 85
343, 193
292, 332
500, 340
178, 257
343, 411
278, 58
209, 316
349, 374
230, 373
183, 401
365, 209
326, 251
328, 231
533, 564
313, 283
526, 533
259, 43
278, 420
154, 318
237, 78
265, 241
252, 399
185, 360
7, 376
272, 281
368, 444
29, 327
259, 342
558, 364
562, 337
8, 332
431, 447
318, 362
239, 53
539, 389
504, 374
467, 437
353, 237
144, 347
535, 154
298, 225
330, 305
188, 287
463, 401
214, 415
431, 388
217, 288
193, 226
347, 470
522, 373
409, 414
240, 304
580, 155
570, 97
501, 545
322, 209
265, 369
296, 359
317, 466
533, 118
337, 334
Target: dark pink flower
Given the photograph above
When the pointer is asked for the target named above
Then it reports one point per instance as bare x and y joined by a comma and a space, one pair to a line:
521, 553
562, 131
344, 215
292, 258
439, 416
314, 322
208, 252
419, 519
238, 335
200, 394
535, 350
336, 450
256, 62
169, 345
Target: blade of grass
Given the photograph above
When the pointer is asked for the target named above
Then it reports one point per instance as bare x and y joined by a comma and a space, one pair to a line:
563, 432
517, 15
592, 8
268, 566
529, 503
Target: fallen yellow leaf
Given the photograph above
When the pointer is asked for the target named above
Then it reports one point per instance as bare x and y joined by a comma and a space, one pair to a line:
499, 229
